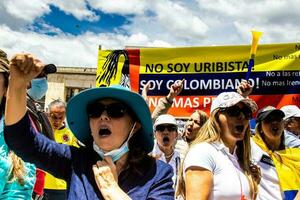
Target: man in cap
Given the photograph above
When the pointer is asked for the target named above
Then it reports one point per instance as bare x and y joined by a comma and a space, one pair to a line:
292, 119
165, 132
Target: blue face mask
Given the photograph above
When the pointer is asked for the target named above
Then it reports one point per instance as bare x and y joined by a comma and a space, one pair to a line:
39, 87
115, 154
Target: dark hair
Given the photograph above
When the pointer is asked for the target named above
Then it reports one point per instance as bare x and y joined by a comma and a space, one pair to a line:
138, 160
2, 103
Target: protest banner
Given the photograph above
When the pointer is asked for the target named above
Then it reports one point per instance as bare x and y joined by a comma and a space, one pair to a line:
208, 71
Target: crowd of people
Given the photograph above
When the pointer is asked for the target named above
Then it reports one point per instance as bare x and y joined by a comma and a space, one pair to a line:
106, 144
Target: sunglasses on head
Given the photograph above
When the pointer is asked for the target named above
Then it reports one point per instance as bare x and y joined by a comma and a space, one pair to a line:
169, 127
235, 111
113, 110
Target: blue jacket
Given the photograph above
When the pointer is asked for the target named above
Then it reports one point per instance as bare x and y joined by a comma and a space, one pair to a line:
75, 166
12, 189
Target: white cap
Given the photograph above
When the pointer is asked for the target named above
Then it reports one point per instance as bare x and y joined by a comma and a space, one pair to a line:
290, 111
165, 119
228, 99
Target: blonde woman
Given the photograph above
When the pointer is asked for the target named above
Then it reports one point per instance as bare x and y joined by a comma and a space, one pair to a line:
217, 165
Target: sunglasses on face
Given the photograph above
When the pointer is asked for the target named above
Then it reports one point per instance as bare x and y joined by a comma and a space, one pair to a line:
235, 111
273, 118
169, 127
114, 110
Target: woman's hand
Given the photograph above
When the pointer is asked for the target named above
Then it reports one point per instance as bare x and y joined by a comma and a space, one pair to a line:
106, 177
24, 68
145, 91
244, 88
175, 90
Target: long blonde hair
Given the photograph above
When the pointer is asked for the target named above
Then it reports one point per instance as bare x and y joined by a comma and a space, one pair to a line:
211, 132
17, 170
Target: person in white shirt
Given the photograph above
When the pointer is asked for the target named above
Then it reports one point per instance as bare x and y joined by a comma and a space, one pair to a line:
292, 119
218, 166
165, 132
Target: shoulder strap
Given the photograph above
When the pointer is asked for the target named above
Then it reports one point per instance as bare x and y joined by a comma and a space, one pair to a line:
40, 118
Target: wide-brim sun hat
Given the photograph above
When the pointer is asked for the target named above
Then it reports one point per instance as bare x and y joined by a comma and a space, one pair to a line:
228, 99
78, 121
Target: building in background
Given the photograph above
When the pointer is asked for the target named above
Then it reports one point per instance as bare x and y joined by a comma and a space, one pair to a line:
68, 81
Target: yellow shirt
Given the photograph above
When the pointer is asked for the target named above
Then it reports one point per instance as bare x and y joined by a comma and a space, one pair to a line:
62, 136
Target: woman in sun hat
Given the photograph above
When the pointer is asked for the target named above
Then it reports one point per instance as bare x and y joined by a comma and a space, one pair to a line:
217, 165
115, 126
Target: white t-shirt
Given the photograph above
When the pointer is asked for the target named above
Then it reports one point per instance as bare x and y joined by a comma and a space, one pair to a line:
268, 187
229, 182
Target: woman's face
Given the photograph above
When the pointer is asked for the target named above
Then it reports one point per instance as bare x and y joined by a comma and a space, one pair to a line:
272, 127
110, 123
234, 122
192, 126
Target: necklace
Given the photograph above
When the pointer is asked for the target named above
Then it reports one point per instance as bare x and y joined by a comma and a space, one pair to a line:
169, 156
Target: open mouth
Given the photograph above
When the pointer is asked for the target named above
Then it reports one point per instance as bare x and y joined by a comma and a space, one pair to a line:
239, 128
166, 140
104, 132
275, 129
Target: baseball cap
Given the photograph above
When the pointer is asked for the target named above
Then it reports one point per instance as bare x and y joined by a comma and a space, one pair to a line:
263, 113
165, 119
290, 111
4, 63
228, 99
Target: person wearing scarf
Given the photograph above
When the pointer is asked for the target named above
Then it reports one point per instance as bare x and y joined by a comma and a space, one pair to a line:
278, 162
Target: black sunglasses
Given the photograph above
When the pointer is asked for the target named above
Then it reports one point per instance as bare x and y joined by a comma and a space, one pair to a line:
273, 118
235, 111
114, 110
169, 127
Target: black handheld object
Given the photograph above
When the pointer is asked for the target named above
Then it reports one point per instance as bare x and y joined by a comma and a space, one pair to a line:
48, 69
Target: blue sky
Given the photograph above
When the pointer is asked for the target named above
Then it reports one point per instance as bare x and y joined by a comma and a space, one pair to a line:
69, 24
68, 32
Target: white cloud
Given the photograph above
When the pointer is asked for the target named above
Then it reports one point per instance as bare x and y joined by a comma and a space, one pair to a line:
122, 7
160, 23
77, 8
26, 10
276, 18
179, 20
69, 50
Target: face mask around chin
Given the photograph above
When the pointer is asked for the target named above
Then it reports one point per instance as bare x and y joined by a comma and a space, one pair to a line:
115, 154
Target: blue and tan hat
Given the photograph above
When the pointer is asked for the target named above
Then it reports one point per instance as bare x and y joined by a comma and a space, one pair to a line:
4, 63
78, 120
